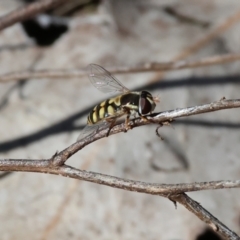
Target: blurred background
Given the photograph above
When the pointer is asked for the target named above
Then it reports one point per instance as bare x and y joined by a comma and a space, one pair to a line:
41, 116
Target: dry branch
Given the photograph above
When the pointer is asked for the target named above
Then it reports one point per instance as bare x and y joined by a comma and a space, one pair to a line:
204, 215
46, 166
157, 118
172, 191
145, 67
56, 165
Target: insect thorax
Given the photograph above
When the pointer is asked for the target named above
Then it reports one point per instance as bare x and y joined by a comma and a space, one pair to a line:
130, 100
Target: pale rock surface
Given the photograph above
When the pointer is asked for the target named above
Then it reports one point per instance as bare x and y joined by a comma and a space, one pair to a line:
39, 206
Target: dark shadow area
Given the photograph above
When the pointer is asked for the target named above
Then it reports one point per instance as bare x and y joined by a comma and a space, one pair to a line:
67, 124
207, 124
5, 174
176, 151
192, 82
209, 234
5, 98
47, 27
19, 85
44, 35
172, 11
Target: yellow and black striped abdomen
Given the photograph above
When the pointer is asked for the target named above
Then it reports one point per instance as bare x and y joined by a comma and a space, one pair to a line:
109, 108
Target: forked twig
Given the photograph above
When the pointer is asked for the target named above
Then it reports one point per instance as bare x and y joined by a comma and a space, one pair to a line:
56, 165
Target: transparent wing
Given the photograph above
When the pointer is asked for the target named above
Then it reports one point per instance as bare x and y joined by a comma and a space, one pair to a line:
90, 130
104, 81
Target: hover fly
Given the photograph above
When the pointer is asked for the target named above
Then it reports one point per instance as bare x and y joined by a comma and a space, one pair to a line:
105, 114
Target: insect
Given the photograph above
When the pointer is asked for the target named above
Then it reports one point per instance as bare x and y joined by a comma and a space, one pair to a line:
105, 114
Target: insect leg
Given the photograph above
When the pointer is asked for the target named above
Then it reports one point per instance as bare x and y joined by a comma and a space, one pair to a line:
144, 118
127, 125
112, 122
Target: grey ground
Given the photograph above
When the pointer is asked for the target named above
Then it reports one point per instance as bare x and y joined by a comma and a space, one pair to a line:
39, 206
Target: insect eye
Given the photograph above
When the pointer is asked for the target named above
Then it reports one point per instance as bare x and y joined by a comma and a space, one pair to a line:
145, 106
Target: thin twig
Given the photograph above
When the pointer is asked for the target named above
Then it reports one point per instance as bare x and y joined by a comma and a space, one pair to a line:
27, 12
204, 215
45, 166
165, 190
56, 165
157, 118
172, 191
145, 67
